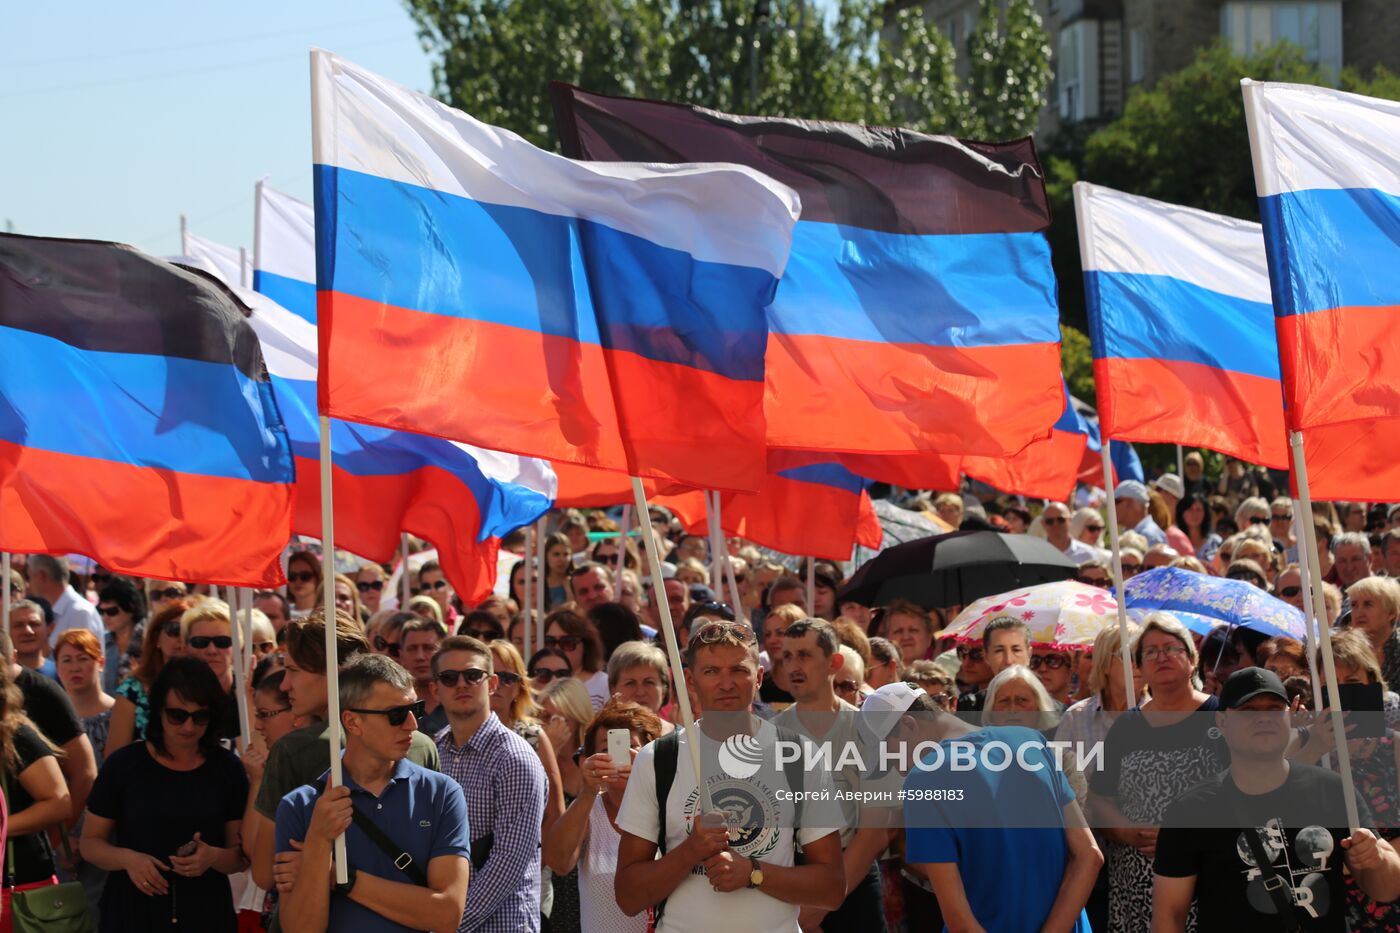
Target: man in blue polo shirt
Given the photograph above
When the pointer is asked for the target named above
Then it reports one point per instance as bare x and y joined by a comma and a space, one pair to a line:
414, 875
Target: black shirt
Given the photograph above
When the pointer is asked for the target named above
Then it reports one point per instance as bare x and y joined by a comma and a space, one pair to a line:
33, 854
48, 707
1301, 825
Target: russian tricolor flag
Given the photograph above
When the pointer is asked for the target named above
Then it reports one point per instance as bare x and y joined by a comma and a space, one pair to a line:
461, 499
918, 311
475, 287
138, 425
1327, 170
284, 251
1181, 325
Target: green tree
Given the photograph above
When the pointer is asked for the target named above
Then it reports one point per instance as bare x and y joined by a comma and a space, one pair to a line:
857, 61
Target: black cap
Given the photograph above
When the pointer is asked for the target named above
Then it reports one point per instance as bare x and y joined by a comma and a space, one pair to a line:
1247, 683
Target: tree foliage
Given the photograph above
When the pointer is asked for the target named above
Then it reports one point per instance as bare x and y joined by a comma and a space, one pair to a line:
855, 60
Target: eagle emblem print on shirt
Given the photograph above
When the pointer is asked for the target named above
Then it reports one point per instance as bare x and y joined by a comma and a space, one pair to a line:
751, 811
1303, 866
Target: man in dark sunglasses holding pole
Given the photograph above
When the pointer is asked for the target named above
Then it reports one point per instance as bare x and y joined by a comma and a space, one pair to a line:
505, 787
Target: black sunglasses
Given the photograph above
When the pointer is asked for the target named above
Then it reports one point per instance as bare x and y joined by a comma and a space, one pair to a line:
101, 578
485, 634
397, 715
171, 628
1259, 520
508, 678
178, 717
546, 674
269, 713
713, 608
435, 585
472, 676
566, 642
300, 576
169, 592
1290, 591
200, 642
365, 587
389, 648
606, 558
110, 612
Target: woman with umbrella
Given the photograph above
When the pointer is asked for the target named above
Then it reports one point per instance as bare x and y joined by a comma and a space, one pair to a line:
1152, 755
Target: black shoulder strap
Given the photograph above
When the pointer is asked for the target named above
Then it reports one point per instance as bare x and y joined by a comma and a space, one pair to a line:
792, 773
665, 755
1279, 890
403, 861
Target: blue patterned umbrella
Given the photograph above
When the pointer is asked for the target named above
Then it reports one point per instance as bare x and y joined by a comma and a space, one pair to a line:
1202, 602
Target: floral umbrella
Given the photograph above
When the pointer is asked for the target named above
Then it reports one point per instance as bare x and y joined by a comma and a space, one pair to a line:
1196, 597
1064, 614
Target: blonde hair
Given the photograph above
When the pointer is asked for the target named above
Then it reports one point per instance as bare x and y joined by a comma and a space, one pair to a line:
694, 566
1188, 563
569, 696
426, 607
1332, 599
1166, 623
206, 610
854, 637
786, 614
852, 663
259, 625
504, 656
950, 498
1353, 648
1383, 589
1108, 650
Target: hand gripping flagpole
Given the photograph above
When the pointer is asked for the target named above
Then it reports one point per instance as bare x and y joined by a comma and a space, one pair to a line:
342, 875
673, 651
1124, 648
1329, 666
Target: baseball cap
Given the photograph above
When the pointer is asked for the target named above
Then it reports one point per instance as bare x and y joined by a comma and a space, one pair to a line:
1131, 489
1170, 483
883, 708
1248, 683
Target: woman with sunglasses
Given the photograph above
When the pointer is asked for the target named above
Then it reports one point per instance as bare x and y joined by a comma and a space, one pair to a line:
304, 578
513, 702
546, 666
164, 639
1193, 518
164, 815
369, 583
272, 719
578, 638
1087, 526
161, 593
123, 612
208, 639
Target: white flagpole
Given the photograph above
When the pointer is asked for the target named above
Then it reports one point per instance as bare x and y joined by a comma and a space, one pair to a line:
5, 572
1180, 463
673, 651
738, 602
405, 578
711, 527
240, 664
1126, 649
184, 236
1310, 620
811, 587
1329, 667
541, 545
529, 572
243, 267
342, 875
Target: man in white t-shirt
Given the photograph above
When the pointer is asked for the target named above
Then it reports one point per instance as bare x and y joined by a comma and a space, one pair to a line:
48, 578
741, 874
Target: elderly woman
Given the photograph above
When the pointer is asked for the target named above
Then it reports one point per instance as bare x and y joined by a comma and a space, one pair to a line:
1016, 697
638, 673
1152, 755
1087, 526
1375, 605
911, 628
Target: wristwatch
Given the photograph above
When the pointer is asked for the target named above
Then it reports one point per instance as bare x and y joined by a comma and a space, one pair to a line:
345, 889
756, 875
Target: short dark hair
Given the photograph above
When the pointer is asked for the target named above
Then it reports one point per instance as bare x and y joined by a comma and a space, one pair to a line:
479, 617
1002, 624
359, 676
464, 643
785, 582
827, 639
126, 595
578, 570
420, 624
883, 651
574, 624
195, 683
306, 640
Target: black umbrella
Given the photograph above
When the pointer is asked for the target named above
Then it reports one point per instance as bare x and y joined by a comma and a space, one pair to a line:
956, 568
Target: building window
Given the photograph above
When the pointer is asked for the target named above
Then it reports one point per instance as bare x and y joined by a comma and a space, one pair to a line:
1315, 27
1077, 71
1137, 56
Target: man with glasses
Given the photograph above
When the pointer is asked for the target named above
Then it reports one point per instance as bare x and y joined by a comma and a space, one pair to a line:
1055, 520
301, 755
1289, 586
1130, 502
387, 803
418, 642
973, 676
592, 585
505, 789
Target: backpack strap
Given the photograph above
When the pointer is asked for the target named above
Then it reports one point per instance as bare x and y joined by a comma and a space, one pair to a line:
1280, 891
403, 861
664, 757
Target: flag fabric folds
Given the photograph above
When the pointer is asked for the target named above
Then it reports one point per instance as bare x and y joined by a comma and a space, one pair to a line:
475, 287
231, 266
1327, 171
814, 509
1182, 326
1046, 469
918, 310
284, 251
138, 425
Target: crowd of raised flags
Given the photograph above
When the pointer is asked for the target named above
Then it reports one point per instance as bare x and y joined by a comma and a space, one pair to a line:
748, 321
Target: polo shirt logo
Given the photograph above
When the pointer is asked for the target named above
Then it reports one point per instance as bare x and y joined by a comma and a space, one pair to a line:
425, 823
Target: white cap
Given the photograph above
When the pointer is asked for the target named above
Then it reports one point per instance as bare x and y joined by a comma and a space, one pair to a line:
883, 708
1172, 484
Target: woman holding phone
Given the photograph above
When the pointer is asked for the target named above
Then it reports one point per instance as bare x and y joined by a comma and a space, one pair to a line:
586, 835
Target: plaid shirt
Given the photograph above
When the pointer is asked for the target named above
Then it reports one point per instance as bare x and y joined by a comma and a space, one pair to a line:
505, 786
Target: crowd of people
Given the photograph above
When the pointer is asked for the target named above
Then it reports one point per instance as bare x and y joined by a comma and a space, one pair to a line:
490, 783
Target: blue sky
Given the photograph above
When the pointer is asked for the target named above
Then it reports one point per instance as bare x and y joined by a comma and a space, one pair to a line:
118, 117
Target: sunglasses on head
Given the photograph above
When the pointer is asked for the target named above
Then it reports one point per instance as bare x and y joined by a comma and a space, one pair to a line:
397, 715
178, 717
200, 642
435, 585
472, 676
300, 576
364, 586
547, 674
565, 642
110, 612
712, 632
170, 592
389, 648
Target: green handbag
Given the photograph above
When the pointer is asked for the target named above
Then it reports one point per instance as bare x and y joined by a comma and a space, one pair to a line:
55, 908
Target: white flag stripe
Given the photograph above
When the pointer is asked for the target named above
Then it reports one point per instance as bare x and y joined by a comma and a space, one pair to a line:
1317, 137
367, 124
287, 233
1141, 236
